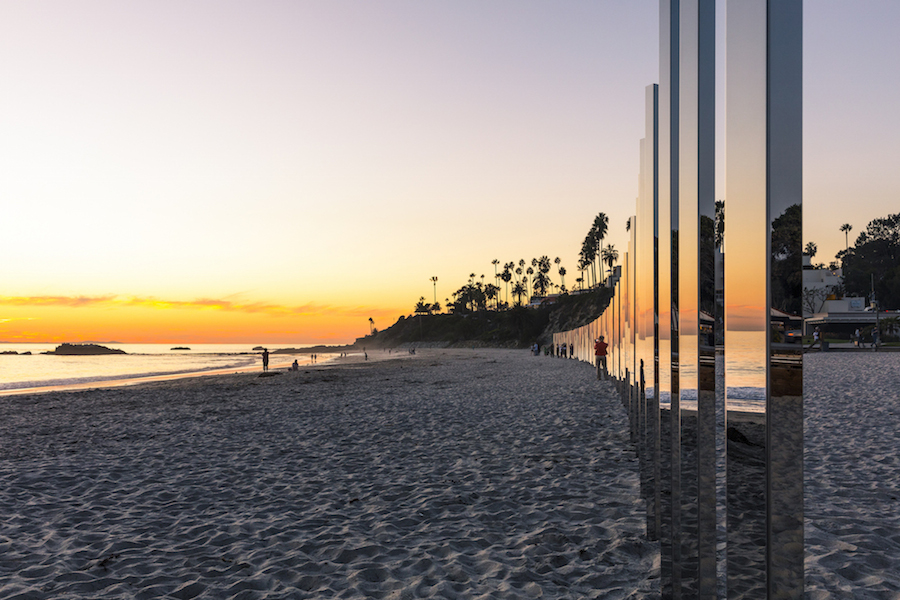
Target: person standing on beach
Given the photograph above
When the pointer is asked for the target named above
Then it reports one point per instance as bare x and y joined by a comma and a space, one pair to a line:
265, 357
600, 354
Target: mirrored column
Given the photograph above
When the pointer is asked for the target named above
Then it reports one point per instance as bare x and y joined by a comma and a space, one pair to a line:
667, 291
763, 375
646, 303
785, 195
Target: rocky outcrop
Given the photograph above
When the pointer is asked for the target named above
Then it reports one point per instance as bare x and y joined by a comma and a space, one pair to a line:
83, 349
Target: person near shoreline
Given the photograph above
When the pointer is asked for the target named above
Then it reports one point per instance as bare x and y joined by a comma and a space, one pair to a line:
600, 354
265, 358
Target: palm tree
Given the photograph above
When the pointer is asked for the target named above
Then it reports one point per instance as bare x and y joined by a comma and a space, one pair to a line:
846, 228
610, 256
491, 291
562, 275
529, 271
371, 325
496, 262
518, 292
434, 281
601, 224
506, 276
589, 253
541, 283
810, 250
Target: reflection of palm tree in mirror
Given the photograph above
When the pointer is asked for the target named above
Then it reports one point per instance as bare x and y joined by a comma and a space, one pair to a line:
720, 223
707, 265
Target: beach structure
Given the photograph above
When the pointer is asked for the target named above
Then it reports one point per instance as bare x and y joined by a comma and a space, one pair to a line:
664, 354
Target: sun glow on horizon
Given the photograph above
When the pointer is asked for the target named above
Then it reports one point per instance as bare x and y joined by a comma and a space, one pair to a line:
154, 320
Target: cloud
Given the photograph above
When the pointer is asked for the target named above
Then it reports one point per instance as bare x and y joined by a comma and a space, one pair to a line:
71, 301
308, 309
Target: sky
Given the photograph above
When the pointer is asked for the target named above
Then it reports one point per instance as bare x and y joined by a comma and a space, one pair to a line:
282, 172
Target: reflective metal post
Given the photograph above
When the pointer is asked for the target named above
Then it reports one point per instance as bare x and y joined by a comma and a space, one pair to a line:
763, 374
667, 290
693, 404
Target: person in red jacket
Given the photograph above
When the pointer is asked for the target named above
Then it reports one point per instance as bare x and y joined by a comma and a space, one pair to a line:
600, 353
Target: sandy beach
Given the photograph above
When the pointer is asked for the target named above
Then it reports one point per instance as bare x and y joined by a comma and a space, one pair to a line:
445, 474
852, 475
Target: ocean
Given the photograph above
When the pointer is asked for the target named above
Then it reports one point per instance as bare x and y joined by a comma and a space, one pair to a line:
141, 361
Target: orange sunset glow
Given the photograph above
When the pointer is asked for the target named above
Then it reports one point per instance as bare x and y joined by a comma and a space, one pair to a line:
288, 171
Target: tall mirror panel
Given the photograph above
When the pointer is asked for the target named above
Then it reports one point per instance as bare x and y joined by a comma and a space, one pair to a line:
785, 192
746, 302
667, 291
696, 406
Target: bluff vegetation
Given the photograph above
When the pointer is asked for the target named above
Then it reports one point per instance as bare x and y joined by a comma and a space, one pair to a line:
517, 327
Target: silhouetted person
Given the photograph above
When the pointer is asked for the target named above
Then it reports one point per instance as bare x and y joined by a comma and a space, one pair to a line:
265, 357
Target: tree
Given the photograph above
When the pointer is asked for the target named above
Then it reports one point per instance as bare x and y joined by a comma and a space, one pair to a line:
562, 276
890, 324
708, 264
720, 223
541, 283
875, 259
610, 256
371, 326
787, 261
491, 292
518, 292
422, 308
587, 255
601, 225
506, 276
810, 250
813, 298
847, 228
